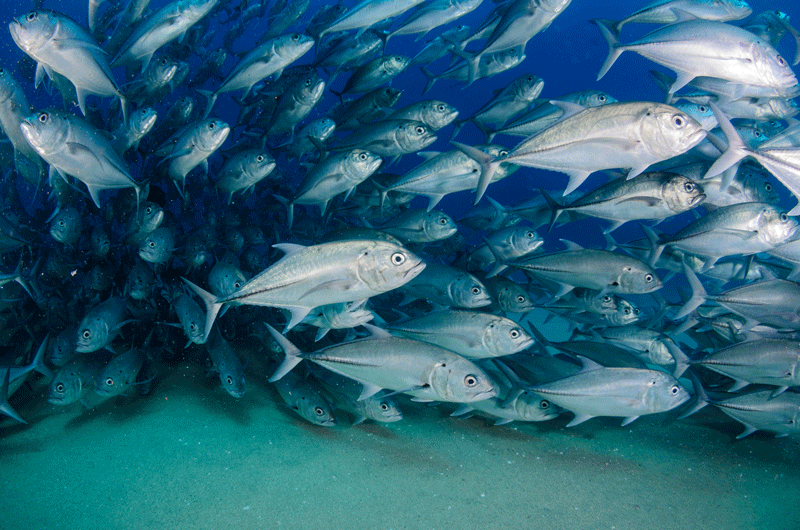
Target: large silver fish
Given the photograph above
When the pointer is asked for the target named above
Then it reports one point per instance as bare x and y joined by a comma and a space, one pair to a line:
620, 135
328, 273
381, 361
74, 147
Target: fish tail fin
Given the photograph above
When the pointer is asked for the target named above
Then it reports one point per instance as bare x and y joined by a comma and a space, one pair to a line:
555, 209
736, 149
701, 399
292, 358
488, 167
289, 210
212, 306
658, 247
487, 131
681, 360
698, 293
211, 97
472, 60
614, 50
431, 79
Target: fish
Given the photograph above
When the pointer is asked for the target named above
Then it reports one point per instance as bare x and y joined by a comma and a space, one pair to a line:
100, 325
618, 135
120, 373
384, 362
471, 334
193, 147
227, 365
447, 286
302, 396
667, 11
327, 273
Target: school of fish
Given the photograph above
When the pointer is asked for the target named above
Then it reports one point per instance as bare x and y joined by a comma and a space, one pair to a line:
186, 196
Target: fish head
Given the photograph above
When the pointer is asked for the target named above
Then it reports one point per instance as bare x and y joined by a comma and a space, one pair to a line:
293, 45
659, 352
388, 96
736, 9
93, 334
437, 114
258, 165
385, 409
533, 407
515, 300
61, 348
225, 279
595, 98
8, 85
210, 134
396, 63
461, 381
162, 70
316, 410
528, 87
681, 193
414, 135
150, 216
776, 226
100, 242
252, 260
663, 392
625, 314
46, 131
774, 70
384, 266
756, 185
603, 305
152, 249
110, 382
143, 120
361, 164
322, 128
438, 225
195, 9
751, 136
467, 291
65, 388
504, 337
639, 279
233, 383
668, 131
33, 30
525, 240
66, 225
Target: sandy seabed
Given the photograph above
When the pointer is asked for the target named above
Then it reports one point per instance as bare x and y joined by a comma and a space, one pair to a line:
190, 456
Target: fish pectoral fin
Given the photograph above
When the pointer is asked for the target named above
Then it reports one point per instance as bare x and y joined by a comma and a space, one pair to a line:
628, 420
502, 421
332, 285
647, 201
368, 390
461, 410
76, 148
576, 178
579, 418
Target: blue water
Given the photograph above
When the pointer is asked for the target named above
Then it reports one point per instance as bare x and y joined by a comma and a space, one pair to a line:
190, 456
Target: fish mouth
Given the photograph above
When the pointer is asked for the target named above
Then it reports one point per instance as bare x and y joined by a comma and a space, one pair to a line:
694, 201
486, 394
414, 271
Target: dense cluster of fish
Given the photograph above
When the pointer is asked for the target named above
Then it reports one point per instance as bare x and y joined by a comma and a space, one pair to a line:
296, 248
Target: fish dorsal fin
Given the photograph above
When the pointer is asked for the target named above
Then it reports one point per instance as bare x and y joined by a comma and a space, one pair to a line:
568, 108
289, 248
589, 365
571, 245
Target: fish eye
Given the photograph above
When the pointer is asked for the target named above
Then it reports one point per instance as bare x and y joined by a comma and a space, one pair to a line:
443, 220
229, 380
502, 152
440, 108
109, 381
308, 82
43, 117
60, 387
627, 310
514, 333
162, 62
236, 285
212, 125
318, 411
678, 121
192, 326
757, 134
544, 404
601, 98
648, 278
260, 158
2, 71
674, 390
384, 407
148, 210
398, 258
781, 61
362, 156
398, 58
689, 186
784, 217
86, 333
295, 37
152, 244
420, 130
768, 187
703, 109
470, 380
520, 299
476, 290
530, 234
606, 298
30, 17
